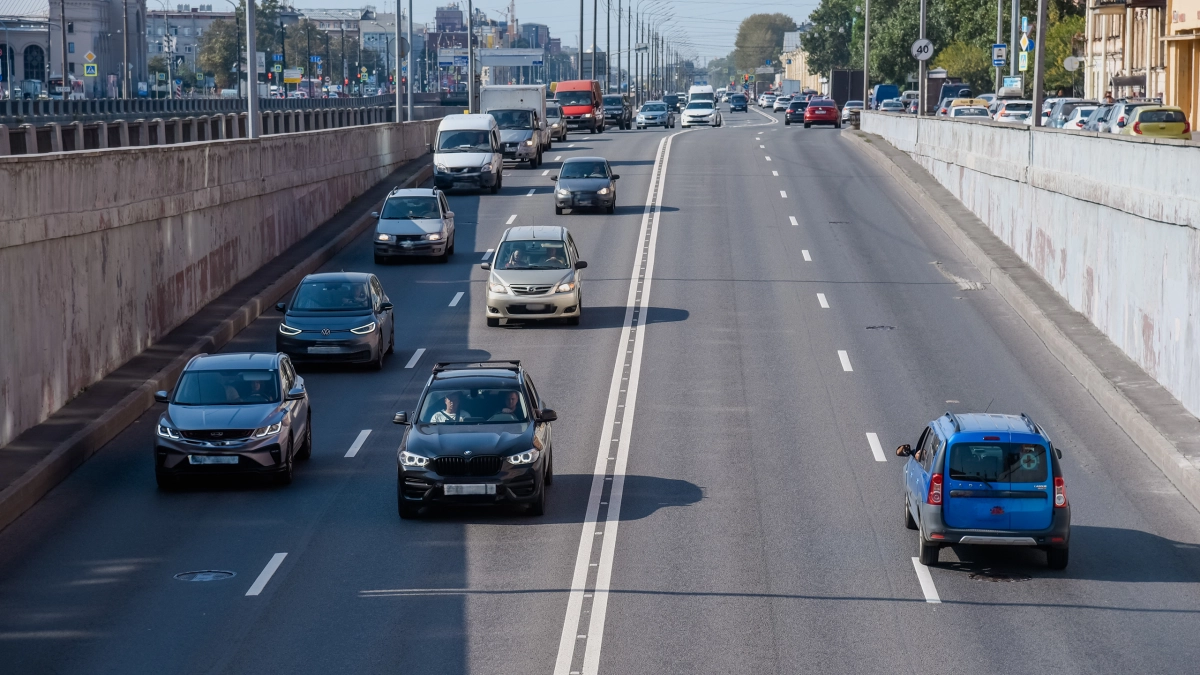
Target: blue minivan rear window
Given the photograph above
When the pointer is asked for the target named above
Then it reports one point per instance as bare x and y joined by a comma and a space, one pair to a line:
998, 462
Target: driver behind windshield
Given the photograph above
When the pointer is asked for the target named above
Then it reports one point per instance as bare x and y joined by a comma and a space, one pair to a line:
465, 140
451, 411
512, 119
411, 208
532, 255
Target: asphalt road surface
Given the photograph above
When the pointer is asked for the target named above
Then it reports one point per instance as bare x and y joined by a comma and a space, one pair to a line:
763, 301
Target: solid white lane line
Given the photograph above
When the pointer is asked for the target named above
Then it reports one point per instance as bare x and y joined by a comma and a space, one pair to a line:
783, 194
263, 577
845, 359
514, 216
457, 296
876, 448
489, 253
807, 257
926, 579
774, 173
358, 442
768, 158
546, 172
530, 193
795, 223
822, 301
617, 422
415, 357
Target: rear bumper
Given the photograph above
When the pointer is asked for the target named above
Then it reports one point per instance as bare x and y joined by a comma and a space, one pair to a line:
934, 529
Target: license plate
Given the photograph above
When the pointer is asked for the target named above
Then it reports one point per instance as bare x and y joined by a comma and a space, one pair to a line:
212, 459
406, 244
324, 350
535, 308
470, 489
461, 185
583, 202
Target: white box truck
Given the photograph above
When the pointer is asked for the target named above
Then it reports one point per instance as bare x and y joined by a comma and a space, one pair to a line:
520, 112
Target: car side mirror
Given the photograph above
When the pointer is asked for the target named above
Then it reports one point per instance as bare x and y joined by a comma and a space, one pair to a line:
281, 306
485, 266
580, 264
386, 306
449, 214
296, 393
616, 176
904, 450
400, 418
374, 214
162, 397
554, 177
547, 415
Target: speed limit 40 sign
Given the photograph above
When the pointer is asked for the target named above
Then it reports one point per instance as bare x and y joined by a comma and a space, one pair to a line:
922, 50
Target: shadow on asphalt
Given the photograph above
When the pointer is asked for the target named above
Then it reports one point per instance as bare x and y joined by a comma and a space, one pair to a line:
604, 317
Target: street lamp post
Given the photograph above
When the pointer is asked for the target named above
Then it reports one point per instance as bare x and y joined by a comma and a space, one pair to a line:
1039, 64
470, 56
411, 72
867, 54
253, 121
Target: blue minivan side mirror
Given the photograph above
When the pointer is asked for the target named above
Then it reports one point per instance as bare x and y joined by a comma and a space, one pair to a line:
904, 450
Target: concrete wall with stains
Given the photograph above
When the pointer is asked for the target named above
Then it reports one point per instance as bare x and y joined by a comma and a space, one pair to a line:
104, 252
1110, 222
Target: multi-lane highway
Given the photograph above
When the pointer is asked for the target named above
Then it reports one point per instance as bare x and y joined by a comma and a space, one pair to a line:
720, 503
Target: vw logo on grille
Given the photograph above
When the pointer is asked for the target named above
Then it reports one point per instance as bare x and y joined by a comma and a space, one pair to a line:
324, 331
217, 433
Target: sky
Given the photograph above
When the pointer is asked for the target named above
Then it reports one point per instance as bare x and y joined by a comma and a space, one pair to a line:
706, 29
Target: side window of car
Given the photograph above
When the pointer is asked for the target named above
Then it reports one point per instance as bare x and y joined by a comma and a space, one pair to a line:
935, 446
535, 401
927, 448
377, 290
289, 375
571, 246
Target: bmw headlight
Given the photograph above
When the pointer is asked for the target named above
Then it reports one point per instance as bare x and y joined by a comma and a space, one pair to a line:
288, 330
434, 237
528, 457
603, 191
363, 330
167, 432
409, 459
386, 237
268, 431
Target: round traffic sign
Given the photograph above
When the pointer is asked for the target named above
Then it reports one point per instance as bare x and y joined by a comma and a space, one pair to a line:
922, 50
1071, 63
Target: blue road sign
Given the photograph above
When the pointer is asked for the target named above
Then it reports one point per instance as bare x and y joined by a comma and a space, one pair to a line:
1024, 24
314, 59
277, 57
999, 55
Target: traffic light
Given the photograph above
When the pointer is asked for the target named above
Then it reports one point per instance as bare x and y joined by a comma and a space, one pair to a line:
745, 78
269, 75
391, 78
345, 82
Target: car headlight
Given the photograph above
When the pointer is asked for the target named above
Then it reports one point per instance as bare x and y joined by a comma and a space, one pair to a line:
529, 142
497, 287
586, 115
565, 287
487, 168
554, 126
268, 431
528, 457
441, 168
603, 191
363, 330
288, 330
434, 237
386, 237
564, 193
409, 459
167, 432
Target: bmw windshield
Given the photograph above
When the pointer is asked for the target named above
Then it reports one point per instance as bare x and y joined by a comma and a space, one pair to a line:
474, 406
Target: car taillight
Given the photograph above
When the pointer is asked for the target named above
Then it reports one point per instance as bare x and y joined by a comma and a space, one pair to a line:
1060, 493
1187, 128
935, 490
1137, 127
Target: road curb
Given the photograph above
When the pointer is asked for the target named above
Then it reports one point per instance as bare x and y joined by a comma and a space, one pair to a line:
1156, 446
75, 450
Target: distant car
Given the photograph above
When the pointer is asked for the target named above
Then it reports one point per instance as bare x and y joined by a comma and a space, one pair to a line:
1061, 110
1159, 121
850, 105
535, 274
738, 103
233, 414
781, 103
673, 100
1013, 111
555, 122
480, 435
893, 105
618, 110
585, 182
414, 222
986, 479
338, 317
1098, 117
795, 111
766, 100
1078, 117
1122, 114
655, 114
969, 111
822, 111
911, 107
700, 113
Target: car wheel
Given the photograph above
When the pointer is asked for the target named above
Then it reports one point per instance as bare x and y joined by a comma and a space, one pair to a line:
837, 125
450, 250
908, 519
377, 364
610, 209
928, 551
305, 450
538, 507
285, 476
406, 510
1056, 558
496, 187
807, 125
380, 259
392, 340
558, 210
549, 468
786, 122
493, 323
166, 482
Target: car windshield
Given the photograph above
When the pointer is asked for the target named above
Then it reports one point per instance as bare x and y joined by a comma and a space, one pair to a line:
513, 119
654, 107
553, 112
581, 97
465, 140
1176, 116
584, 169
738, 98
613, 100
532, 254
699, 105
501, 405
891, 104
1002, 462
316, 296
227, 387
411, 208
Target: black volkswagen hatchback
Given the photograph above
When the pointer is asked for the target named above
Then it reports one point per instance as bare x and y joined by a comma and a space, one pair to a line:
480, 435
343, 317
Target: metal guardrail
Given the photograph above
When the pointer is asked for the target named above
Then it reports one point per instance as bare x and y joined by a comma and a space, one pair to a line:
15, 112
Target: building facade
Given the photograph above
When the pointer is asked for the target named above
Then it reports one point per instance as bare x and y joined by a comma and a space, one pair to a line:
1125, 54
175, 35
795, 62
1183, 57
536, 34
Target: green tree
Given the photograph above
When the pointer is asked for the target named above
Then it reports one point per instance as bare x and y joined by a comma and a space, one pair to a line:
760, 38
827, 41
971, 62
1064, 39
217, 52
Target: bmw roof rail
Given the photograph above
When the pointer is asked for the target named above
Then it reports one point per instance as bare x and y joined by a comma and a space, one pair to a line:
954, 420
441, 366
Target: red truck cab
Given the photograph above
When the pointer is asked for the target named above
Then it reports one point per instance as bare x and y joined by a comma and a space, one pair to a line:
582, 104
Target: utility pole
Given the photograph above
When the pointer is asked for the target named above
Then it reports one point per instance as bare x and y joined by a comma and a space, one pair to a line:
1039, 63
343, 50
608, 46
922, 84
470, 56
66, 78
411, 72
308, 38
283, 52
253, 121
581, 39
618, 46
867, 54
999, 36
594, 15
124, 48
1012, 46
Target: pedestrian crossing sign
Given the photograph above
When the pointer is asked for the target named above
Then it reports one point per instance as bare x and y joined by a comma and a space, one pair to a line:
89, 70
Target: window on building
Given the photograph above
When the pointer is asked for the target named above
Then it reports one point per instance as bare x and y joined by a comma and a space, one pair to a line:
187, 49
71, 67
160, 31
71, 27
70, 47
187, 31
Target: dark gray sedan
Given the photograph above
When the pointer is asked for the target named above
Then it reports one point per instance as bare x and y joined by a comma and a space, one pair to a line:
585, 182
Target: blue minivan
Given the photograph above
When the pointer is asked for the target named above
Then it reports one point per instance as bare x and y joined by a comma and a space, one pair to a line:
986, 479
883, 92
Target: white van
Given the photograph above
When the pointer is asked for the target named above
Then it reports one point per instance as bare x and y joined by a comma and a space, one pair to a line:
467, 153
702, 92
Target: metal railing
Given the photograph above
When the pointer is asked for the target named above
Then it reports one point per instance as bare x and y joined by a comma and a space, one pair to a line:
15, 112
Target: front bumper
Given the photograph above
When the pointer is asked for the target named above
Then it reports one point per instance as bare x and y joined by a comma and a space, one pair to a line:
413, 248
470, 179
663, 121
519, 152
543, 306
343, 347
934, 529
697, 121
584, 200
578, 122
254, 456
511, 485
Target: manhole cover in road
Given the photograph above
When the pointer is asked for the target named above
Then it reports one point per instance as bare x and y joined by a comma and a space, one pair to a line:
881, 328
994, 576
205, 575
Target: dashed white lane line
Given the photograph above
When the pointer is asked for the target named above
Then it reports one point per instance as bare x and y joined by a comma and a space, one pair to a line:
795, 223
265, 576
783, 194
530, 193
489, 253
762, 146
774, 173
415, 357
926, 579
571, 145
514, 216
557, 158
845, 359
358, 442
457, 296
546, 172
876, 448
768, 158
822, 301
807, 257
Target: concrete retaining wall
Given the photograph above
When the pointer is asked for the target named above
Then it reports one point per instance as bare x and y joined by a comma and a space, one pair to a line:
1111, 223
103, 252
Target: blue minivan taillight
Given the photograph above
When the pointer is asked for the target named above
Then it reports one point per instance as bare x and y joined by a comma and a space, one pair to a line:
1060, 493
935, 490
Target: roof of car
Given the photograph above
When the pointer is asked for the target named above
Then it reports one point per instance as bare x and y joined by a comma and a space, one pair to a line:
338, 276
584, 159
413, 192
248, 360
476, 121
977, 422
524, 232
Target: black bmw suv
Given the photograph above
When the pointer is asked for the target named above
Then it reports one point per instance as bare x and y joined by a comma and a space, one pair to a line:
480, 435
